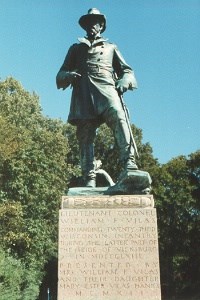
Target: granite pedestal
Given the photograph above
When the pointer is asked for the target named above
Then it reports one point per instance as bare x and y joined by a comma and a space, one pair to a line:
108, 248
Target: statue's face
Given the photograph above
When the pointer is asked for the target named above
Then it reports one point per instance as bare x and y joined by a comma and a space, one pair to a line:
94, 28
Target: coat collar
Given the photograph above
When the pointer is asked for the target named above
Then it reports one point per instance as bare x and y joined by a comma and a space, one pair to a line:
87, 42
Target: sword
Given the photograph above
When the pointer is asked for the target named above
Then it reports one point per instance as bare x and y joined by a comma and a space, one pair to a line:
128, 123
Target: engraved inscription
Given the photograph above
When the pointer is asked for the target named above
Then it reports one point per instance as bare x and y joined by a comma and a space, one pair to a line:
108, 254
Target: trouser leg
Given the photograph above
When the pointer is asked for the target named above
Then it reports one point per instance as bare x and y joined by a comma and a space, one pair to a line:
86, 132
116, 120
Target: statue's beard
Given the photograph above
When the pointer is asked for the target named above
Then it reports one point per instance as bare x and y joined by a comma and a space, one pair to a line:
92, 33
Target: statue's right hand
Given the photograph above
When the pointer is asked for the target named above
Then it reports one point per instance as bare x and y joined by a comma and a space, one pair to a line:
64, 79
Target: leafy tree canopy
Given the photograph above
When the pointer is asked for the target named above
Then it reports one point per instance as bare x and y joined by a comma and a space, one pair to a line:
33, 175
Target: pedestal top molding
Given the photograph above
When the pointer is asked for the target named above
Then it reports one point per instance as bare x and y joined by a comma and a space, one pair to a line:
100, 201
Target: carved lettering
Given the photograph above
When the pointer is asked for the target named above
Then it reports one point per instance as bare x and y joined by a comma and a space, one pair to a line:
108, 253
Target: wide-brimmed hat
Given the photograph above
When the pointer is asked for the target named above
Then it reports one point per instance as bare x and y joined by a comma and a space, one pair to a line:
93, 13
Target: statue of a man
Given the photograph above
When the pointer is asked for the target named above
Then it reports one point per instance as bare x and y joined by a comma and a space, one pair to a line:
98, 74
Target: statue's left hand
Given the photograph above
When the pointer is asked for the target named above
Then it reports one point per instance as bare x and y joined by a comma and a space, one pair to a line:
72, 76
122, 85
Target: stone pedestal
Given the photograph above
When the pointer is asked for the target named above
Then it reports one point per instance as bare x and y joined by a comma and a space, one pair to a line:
108, 248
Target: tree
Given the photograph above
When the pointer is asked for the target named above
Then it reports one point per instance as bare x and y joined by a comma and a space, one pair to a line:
34, 174
178, 219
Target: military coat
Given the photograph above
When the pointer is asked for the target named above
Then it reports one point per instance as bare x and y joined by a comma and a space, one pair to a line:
100, 65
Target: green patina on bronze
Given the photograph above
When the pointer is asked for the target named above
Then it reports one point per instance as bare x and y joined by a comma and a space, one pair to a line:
99, 75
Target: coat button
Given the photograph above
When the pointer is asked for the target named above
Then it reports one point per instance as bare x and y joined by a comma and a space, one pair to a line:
101, 53
98, 59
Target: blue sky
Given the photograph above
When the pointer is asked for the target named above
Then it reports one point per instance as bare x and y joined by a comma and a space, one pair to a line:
159, 39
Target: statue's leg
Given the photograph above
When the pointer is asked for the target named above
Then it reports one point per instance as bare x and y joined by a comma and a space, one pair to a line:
86, 132
116, 120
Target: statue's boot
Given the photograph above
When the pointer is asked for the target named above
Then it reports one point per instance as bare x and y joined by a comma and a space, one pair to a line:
87, 164
130, 163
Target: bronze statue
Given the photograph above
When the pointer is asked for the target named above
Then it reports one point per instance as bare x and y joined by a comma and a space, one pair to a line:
99, 76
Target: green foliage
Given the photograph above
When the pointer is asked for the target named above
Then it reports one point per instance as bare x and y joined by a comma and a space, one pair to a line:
73, 155
10, 140
12, 230
34, 173
11, 276
19, 106
175, 189
17, 281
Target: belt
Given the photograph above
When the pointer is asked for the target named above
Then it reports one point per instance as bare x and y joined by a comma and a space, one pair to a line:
93, 68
